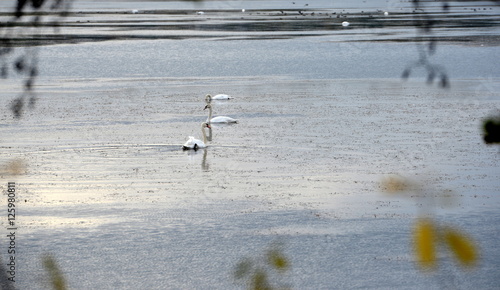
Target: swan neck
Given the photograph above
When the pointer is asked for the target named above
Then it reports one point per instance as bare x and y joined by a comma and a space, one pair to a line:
209, 113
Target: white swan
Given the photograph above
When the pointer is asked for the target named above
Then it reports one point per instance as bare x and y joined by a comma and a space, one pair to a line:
195, 144
218, 119
222, 97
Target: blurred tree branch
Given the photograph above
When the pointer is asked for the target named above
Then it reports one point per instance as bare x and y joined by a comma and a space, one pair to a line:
424, 24
22, 61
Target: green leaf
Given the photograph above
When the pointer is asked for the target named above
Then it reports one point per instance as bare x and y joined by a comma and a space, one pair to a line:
243, 269
259, 281
56, 277
277, 260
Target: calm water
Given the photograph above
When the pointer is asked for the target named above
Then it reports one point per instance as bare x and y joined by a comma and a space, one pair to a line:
323, 114
273, 38
304, 58
270, 38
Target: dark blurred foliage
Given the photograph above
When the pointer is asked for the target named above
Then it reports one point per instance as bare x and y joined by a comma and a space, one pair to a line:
5, 284
22, 60
491, 130
424, 25
56, 277
263, 272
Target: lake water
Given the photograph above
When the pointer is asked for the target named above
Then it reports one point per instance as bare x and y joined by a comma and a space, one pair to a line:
323, 117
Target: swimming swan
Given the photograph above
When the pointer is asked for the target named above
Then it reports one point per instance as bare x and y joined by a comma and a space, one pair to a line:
194, 143
209, 98
222, 97
218, 119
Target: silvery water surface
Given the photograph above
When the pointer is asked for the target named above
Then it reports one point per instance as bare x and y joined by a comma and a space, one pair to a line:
323, 118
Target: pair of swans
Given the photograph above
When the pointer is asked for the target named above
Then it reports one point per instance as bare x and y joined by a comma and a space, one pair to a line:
195, 144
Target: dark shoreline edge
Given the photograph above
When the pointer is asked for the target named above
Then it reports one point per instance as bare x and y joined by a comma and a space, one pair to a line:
91, 26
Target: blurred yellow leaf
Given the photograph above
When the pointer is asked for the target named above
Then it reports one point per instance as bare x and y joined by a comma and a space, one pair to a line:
259, 281
424, 238
277, 260
13, 167
462, 246
395, 183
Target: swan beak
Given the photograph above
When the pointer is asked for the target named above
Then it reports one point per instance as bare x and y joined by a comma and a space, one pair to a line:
205, 107
208, 126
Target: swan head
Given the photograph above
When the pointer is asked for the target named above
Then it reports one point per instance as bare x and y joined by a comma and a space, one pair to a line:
205, 125
208, 99
208, 106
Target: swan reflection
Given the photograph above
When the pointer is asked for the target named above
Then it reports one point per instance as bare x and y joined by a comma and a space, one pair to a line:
204, 165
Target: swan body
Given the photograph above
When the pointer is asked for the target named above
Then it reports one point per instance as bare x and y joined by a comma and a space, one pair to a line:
218, 119
222, 97
209, 98
223, 119
194, 144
